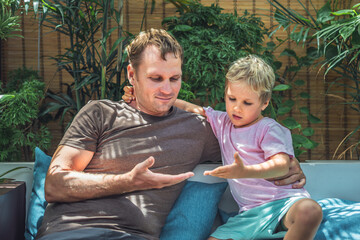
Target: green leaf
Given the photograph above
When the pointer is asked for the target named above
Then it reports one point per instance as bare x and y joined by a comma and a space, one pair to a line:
291, 123
355, 38
12, 170
304, 110
331, 52
288, 52
309, 144
289, 103
283, 110
183, 28
277, 65
324, 14
281, 19
299, 82
313, 119
308, 131
312, 53
346, 32
299, 139
220, 106
344, 12
281, 87
6, 97
305, 95
356, 5
298, 152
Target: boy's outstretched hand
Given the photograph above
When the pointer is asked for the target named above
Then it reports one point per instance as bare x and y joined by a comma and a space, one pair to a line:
128, 96
235, 170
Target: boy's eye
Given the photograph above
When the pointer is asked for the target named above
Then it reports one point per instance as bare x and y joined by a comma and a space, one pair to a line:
231, 99
155, 78
247, 103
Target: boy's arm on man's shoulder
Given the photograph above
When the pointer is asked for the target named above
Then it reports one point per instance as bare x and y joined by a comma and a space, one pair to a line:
189, 107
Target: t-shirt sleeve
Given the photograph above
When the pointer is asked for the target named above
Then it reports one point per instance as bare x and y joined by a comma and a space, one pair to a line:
277, 139
85, 129
215, 118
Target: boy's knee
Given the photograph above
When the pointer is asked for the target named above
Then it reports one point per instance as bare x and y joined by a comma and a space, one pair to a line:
309, 212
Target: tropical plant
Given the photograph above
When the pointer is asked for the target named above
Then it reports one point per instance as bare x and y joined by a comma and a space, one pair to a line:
9, 22
95, 69
281, 107
10, 19
335, 33
212, 40
341, 41
20, 127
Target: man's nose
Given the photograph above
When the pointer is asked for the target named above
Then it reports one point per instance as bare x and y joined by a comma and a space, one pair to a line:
166, 86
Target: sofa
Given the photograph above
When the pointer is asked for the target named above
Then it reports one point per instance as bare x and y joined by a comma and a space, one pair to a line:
333, 183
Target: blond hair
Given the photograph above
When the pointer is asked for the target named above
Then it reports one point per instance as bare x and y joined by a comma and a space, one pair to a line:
153, 37
255, 72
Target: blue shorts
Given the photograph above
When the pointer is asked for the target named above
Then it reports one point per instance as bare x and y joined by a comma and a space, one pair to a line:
261, 222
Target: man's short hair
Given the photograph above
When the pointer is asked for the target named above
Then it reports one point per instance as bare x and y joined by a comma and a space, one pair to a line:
255, 72
153, 37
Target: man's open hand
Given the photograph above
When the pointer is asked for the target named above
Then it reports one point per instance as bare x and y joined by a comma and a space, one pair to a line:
142, 178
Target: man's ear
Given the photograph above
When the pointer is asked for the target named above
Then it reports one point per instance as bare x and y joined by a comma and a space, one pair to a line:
131, 74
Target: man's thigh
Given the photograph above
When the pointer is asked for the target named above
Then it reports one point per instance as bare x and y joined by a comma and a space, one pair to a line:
91, 234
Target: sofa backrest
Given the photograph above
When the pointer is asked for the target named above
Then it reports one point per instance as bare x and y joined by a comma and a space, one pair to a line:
338, 179
324, 179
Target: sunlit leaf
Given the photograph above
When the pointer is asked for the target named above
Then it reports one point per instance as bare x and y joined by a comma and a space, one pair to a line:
344, 12
281, 87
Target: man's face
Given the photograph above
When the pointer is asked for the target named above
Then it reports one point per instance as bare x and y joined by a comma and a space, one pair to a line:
156, 82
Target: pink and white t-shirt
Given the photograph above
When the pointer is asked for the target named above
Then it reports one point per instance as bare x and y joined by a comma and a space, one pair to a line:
255, 144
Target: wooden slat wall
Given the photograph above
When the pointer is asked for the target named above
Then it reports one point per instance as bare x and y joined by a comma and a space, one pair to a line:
32, 53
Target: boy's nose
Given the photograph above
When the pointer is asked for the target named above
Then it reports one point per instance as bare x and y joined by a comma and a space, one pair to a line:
237, 108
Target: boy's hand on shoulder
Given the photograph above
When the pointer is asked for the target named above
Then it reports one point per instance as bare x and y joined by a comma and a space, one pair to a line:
128, 96
235, 170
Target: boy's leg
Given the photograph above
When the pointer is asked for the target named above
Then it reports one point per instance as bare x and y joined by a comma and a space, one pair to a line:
302, 219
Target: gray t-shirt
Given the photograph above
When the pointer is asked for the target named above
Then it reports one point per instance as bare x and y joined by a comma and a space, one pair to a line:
122, 137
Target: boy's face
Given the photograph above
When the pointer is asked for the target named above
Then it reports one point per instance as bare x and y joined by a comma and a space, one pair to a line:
243, 105
156, 82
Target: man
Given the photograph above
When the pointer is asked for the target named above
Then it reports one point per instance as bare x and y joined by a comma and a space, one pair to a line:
119, 168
